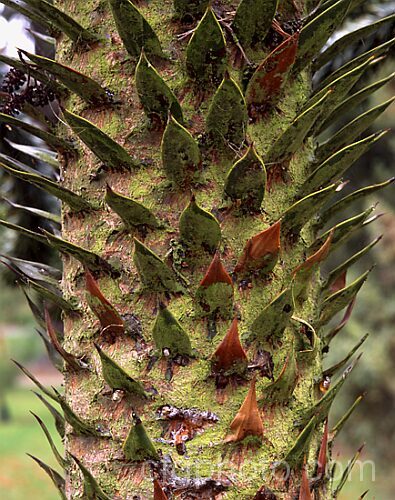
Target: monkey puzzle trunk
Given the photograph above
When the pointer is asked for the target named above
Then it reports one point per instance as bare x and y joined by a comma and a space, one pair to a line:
193, 364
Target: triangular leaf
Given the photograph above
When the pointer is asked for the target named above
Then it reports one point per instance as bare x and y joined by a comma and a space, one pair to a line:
106, 149
133, 214
230, 356
300, 448
246, 181
206, 51
181, 158
134, 30
169, 335
253, 20
227, 117
92, 490
138, 446
199, 228
155, 95
281, 389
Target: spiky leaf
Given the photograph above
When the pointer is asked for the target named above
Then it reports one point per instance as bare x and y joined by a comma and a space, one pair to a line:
206, 51
138, 446
116, 377
227, 117
168, 334
329, 372
253, 20
246, 181
181, 157
56, 478
106, 149
135, 31
199, 228
61, 461
58, 417
299, 449
92, 490
53, 217
133, 214
281, 389
230, 356
155, 275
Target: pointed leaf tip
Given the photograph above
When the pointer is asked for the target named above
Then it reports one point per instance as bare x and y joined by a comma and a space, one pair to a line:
248, 421
304, 492
245, 183
169, 335
110, 321
159, 494
216, 273
199, 228
261, 251
230, 355
323, 453
138, 446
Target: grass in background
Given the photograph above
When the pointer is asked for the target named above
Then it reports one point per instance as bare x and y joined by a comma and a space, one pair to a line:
20, 477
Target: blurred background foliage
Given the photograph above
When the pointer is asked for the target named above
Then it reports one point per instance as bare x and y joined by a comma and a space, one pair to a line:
373, 421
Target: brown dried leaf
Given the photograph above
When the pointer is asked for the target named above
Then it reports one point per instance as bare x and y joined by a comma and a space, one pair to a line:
248, 421
339, 283
230, 352
109, 319
216, 273
159, 494
304, 493
322, 454
317, 257
260, 249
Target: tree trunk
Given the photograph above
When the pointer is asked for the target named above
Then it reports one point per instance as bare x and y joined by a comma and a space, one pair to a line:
200, 424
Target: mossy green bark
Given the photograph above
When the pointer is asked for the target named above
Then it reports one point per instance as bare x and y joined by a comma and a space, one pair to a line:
149, 273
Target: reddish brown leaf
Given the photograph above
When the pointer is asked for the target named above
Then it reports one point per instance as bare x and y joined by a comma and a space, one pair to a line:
71, 360
216, 273
322, 454
271, 74
109, 319
159, 494
317, 257
304, 493
343, 322
230, 352
248, 421
260, 249
339, 282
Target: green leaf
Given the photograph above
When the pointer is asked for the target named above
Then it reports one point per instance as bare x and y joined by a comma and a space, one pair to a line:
87, 258
246, 181
206, 51
133, 214
155, 95
56, 478
339, 300
297, 215
354, 100
116, 377
169, 334
329, 372
343, 230
338, 427
64, 23
227, 117
80, 427
73, 200
36, 271
350, 131
343, 43
345, 202
61, 461
26, 232
192, 8
336, 165
37, 153
35, 211
105, 148
89, 90
134, 30
45, 293
339, 90
270, 77
46, 391
316, 32
253, 20
58, 417
281, 389
269, 326
365, 57
49, 138
199, 228
138, 446
155, 275
347, 472
300, 448
292, 139
335, 273
181, 158
92, 490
